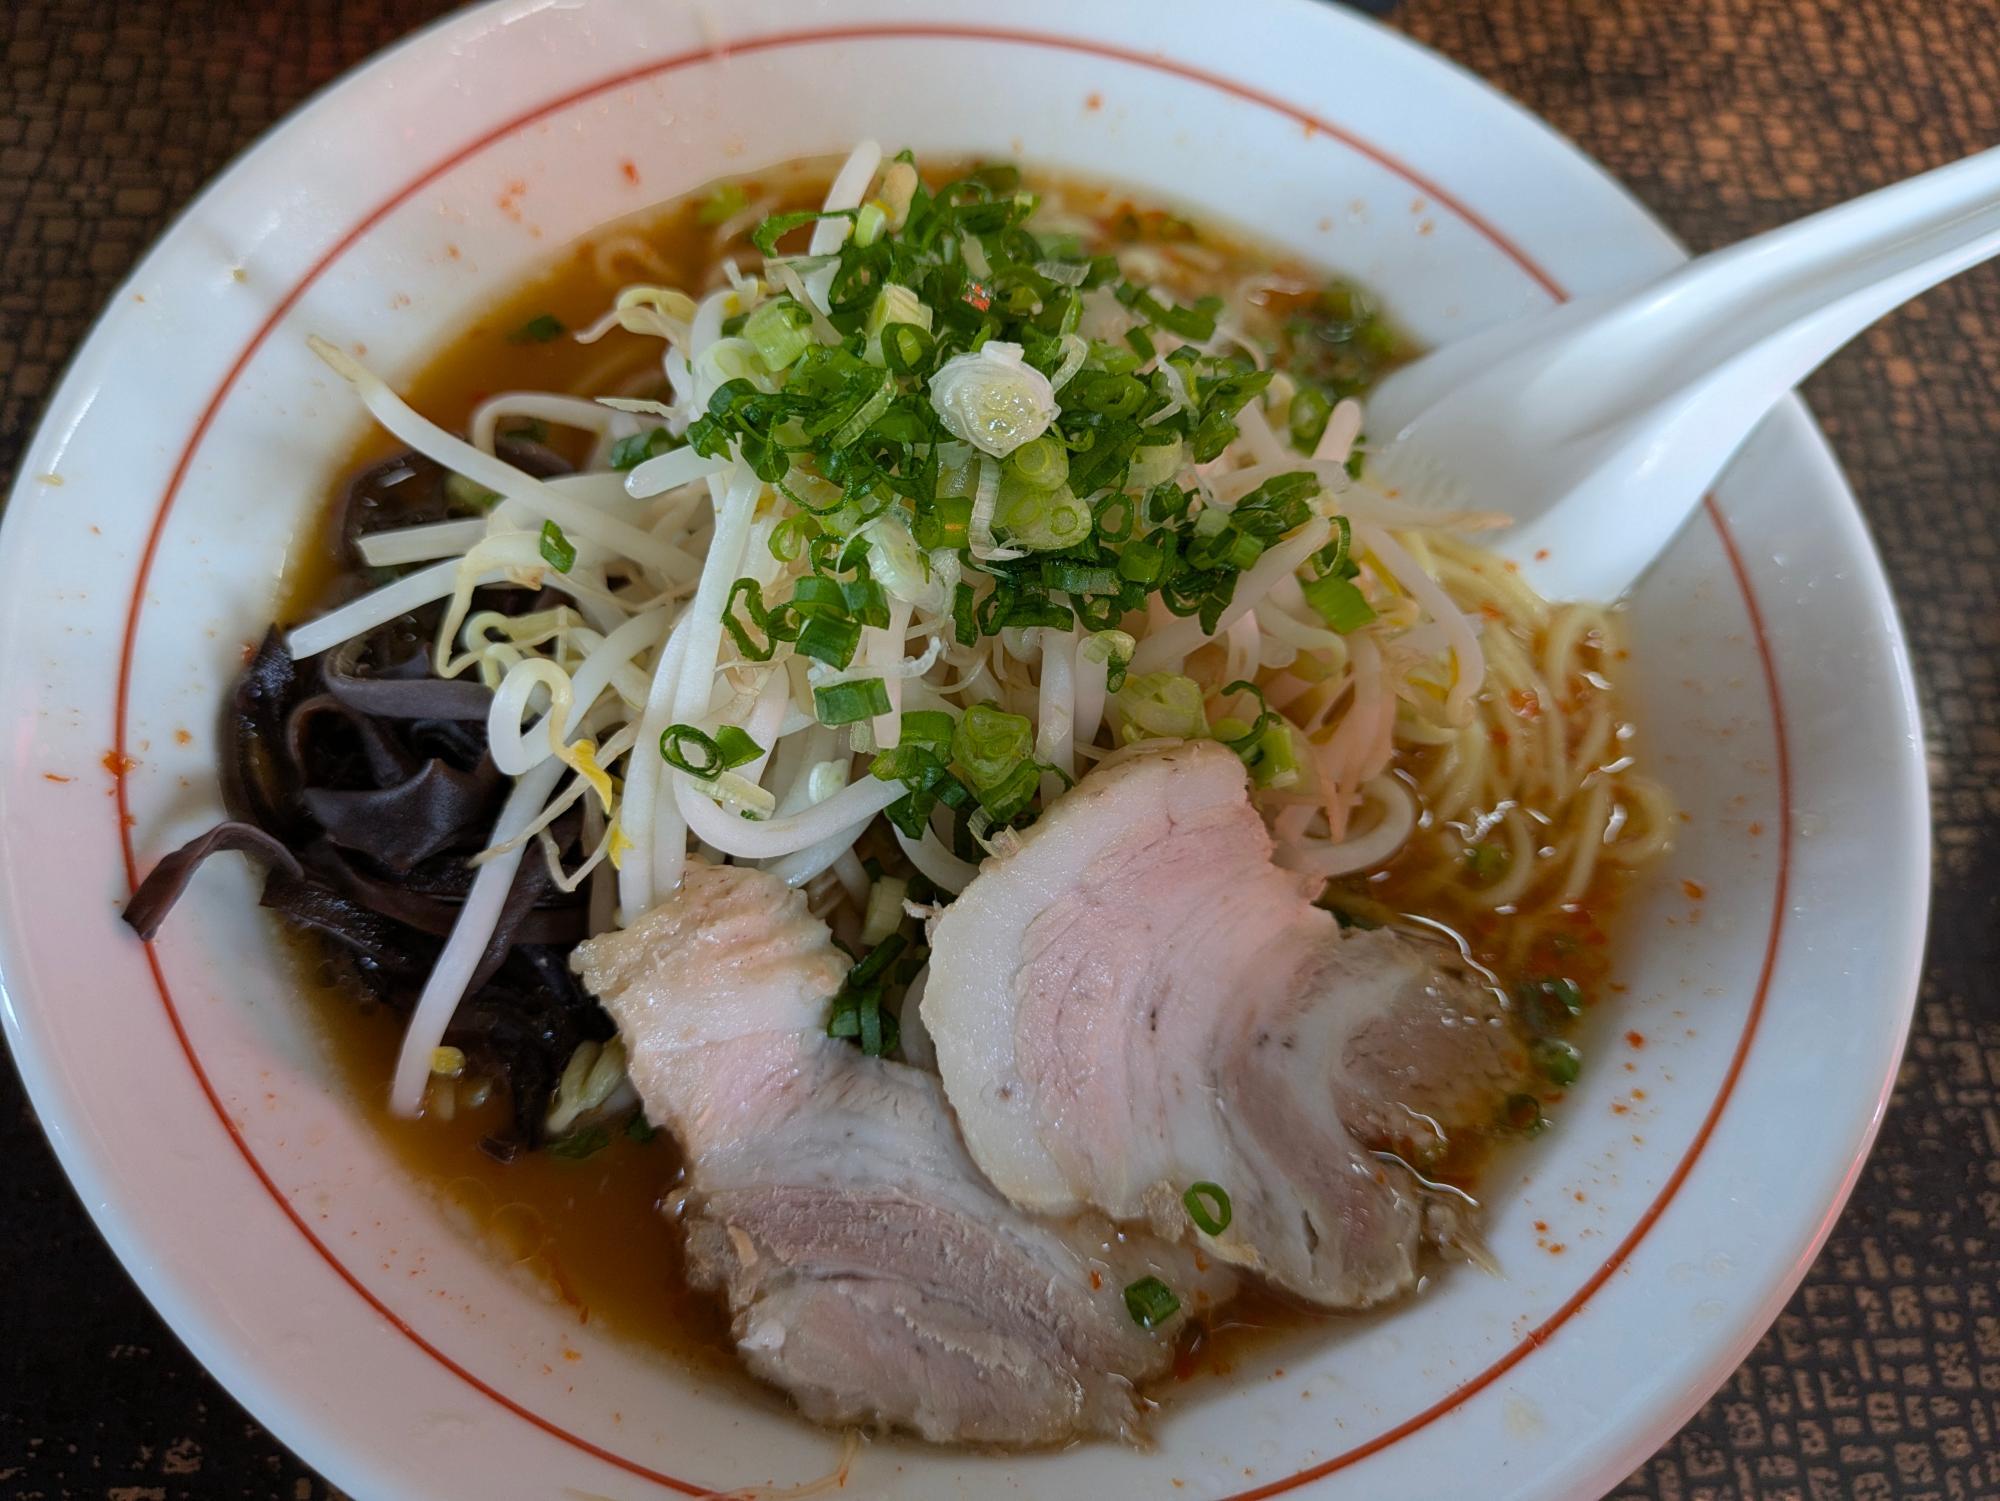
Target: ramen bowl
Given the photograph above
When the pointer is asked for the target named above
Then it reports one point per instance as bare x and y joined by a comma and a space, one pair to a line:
1767, 966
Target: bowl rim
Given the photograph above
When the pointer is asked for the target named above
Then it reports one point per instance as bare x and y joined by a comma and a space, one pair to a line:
213, 1345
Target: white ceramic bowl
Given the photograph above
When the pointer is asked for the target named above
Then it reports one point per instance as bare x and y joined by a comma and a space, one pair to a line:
146, 540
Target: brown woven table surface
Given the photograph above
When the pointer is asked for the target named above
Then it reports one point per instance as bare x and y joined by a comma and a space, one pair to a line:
1882, 1379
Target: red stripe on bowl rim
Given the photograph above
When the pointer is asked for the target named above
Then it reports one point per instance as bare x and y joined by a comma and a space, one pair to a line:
1317, 125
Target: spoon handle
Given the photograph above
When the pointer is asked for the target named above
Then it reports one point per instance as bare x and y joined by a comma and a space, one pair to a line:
1602, 424
1774, 307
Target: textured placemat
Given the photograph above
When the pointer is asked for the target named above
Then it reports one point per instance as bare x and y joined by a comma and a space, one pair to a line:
1726, 116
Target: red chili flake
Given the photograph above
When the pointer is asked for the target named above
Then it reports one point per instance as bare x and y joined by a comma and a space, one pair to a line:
51, 776
1635, 1039
1694, 890
118, 763
978, 294
631, 170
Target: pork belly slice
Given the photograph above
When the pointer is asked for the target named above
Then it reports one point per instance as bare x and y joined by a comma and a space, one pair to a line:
1137, 1000
871, 1271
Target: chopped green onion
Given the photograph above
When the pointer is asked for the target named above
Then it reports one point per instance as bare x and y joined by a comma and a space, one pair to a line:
557, 550
946, 522
905, 347
1078, 578
1274, 762
1559, 1060
1155, 464
1150, 1302
580, 1144
987, 744
815, 595
1142, 562
831, 640
965, 626
1339, 603
1040, 520
858, 1013
540, 329
863, 416
775, 228
1008, 798
1246, 740
1310, 410
1567, 993
1523, 1112
724, 203
869, 222
1161, 705
885, 909
1243, 550
1487, 862
1108, 395
897, 304
781, 331
469, 495
633, 450
728, 747
639, 1129
773, 623
1208, 1207
928, 727
1337, 557
1042, 463
845, 703
789, 537
866, 601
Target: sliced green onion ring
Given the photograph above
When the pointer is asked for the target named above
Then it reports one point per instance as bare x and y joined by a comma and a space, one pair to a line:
1208, 1206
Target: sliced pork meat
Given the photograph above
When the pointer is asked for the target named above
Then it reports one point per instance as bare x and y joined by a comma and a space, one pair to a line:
871, 1271
1137, 1000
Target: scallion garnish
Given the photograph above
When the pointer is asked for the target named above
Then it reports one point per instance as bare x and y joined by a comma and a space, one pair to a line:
1558, 1060
832, 639
724, 203
775, 228
632, 451
1208, 1207
780, 330
1487, 862
580, 1144
845, 703
1150, 1302
543, 328
557, 550
988, 744
728, 747
1339, 603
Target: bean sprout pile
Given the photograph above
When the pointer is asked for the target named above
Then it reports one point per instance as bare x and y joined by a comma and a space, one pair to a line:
940, 510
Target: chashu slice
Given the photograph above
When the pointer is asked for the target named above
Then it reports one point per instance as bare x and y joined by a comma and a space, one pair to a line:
871, 1271
1137, 999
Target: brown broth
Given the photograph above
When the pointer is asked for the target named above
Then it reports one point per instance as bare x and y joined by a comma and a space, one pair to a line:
594, 1231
